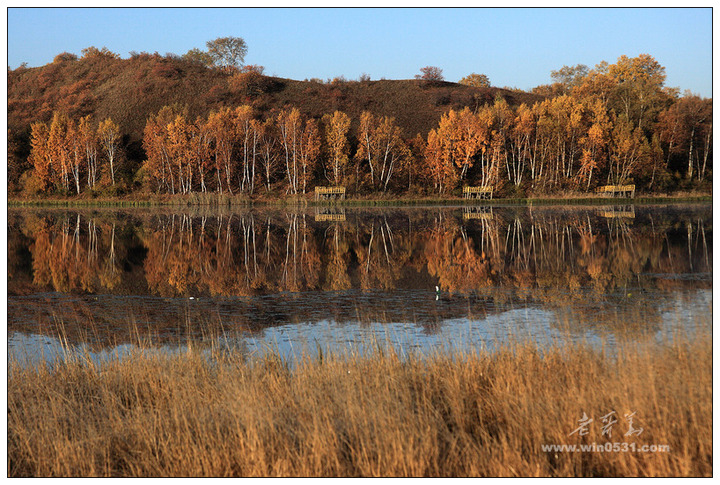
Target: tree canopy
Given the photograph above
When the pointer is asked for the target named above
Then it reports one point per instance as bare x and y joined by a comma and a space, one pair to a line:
430, 73
227, 51
198, 55
476, 80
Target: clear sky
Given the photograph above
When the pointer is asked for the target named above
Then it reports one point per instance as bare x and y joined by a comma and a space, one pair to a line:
516, 47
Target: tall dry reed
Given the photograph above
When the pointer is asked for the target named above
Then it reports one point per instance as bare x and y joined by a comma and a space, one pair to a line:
447, 414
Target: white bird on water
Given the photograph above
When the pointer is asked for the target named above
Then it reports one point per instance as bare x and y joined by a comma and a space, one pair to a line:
446, 297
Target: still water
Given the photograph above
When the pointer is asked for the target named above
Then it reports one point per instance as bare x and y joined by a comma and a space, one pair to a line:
299, 280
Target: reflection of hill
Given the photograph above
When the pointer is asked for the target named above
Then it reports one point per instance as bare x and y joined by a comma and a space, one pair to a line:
115, 317
110, 320
237, 262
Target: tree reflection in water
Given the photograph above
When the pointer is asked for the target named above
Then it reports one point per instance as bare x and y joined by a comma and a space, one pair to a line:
258, 268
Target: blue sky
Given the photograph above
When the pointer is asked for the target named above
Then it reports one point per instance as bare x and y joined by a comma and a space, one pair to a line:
516, 47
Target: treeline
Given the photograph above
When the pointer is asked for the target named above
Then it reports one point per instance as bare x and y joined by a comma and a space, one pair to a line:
232, 151
615, 124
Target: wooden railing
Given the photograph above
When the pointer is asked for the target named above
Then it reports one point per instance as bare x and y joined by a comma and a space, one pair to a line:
626, 191
329, 193
470, 192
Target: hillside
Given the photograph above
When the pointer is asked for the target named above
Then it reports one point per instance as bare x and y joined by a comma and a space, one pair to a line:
606, 129
130, 90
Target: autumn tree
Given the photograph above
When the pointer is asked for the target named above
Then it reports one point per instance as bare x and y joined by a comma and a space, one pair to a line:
476, 80
157, 146
569, 114
309, 152
59, 147
470, 140
381, 145
560, 125
41, 156
256, 128
247, 142
199, 56
522, 136
392, 151
638, 92
89, 142
249, 81
289, 124
93, 52
268, 141
447, 138
626, 148
367, 146
686, 128
568, 77
652, 163
430, 73
77, 152
227, 52
109, 137
440, 167
223, 129
415, 166
64, 57
179, 133
594, 142
597, 83
337, 126
200, 150
299, 141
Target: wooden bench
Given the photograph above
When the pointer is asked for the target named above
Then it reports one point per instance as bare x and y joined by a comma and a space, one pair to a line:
618, 211
329, 193
625, 191
327, 214
477, 212
330, 217
478, 192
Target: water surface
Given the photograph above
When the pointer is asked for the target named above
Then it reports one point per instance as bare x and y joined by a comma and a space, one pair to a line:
337, 279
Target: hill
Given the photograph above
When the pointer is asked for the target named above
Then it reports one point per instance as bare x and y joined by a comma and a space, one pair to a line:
130, 90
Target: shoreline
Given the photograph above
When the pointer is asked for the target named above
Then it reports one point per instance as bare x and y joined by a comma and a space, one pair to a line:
215, 200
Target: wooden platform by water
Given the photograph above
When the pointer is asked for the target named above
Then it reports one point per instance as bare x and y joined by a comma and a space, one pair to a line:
470, 192
329, 192
624, 191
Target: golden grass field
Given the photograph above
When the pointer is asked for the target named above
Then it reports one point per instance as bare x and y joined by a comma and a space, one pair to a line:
445, 414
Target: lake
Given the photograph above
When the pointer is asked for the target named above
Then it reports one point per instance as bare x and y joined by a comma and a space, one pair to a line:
337, 279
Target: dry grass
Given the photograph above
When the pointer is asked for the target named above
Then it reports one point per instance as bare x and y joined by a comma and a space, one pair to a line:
448, 414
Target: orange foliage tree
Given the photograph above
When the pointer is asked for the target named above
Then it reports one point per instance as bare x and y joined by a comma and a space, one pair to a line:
309, 151
40, 155
109, 136
222, 125
289, 126
337, 126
